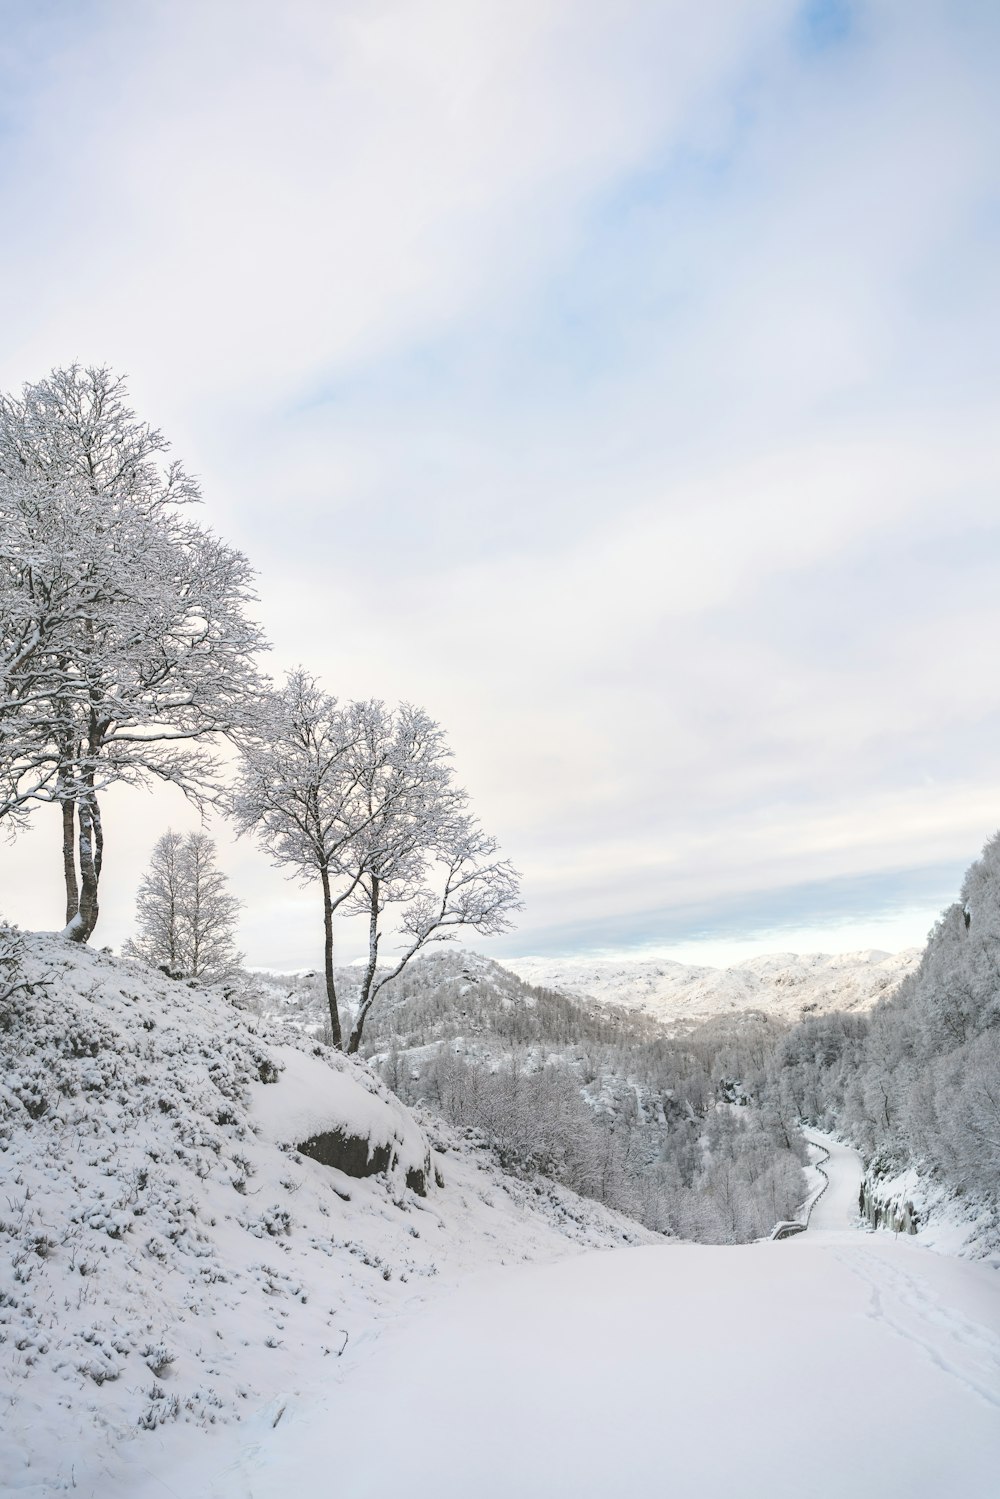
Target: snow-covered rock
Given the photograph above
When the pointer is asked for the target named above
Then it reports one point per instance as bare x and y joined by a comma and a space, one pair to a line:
905, 1200
339, 1114
787, 986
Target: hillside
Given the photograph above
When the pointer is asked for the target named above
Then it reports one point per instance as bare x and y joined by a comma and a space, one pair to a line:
785, 986
170, 1259
602, 1097
191, 1304
916, 1086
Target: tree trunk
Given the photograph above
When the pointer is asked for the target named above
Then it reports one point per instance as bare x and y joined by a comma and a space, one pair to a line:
69, 859
364, 1002
91, 849
95, 813
331, 988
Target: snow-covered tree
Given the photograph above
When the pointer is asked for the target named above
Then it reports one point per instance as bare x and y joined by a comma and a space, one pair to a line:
434, 861
125, 645
295, 789
185, 914
361, 798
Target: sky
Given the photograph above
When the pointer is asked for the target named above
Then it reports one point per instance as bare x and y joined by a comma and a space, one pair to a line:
616, 379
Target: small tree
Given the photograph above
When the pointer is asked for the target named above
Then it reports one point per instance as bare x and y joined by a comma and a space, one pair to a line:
362, 799
184, 912
125, 648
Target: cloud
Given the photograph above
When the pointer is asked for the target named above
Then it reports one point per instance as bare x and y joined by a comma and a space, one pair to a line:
616, 380
254, 201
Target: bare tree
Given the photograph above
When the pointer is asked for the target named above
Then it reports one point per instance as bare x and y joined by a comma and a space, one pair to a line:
363, 799
125, 647
294, 789
185, 913
442, 869
158, 907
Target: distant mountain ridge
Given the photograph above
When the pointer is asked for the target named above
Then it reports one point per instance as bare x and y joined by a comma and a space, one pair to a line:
786, 986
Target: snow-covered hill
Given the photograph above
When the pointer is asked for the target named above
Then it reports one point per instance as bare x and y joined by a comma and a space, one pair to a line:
170, 1258
189, 1303
786, 986
837, 1363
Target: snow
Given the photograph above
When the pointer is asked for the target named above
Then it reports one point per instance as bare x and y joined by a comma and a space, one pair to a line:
837, 1209
823, 1365
835, 1363
785, 985
309, 1099
190, 1307
169, 1266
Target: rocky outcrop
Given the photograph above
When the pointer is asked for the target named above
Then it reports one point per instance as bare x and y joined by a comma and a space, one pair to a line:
883, 1204
358, 1156
337, 1112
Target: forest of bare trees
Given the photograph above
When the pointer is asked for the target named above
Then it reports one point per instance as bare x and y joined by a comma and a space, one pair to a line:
917, 1081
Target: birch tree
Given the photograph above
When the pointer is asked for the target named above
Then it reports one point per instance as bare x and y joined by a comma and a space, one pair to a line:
361, 799
125, 644
185, 914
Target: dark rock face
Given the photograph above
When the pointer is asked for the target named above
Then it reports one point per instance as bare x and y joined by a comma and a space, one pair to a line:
352, 1154
357, 1156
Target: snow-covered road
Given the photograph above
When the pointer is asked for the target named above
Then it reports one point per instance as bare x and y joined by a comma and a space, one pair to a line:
837, 1210
838, 1363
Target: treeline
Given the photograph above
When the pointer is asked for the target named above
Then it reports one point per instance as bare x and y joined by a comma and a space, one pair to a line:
702, 1134
916, 1082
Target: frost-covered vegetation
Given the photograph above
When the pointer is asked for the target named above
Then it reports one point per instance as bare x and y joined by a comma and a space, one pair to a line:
361, 801
127, 655
185, 914
916, 1084
700, 1132
126, 648
598, 1097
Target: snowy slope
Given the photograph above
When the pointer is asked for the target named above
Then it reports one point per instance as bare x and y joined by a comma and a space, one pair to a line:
785, 985
169, 1262
833, 1364
190, 1306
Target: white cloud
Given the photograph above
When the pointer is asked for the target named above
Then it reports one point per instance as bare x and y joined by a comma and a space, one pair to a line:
612, 379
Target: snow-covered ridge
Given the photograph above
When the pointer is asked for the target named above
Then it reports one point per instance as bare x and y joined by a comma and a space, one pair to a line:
787, 986
168, 1258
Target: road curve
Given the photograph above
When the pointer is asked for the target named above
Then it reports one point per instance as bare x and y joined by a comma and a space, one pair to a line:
835, 1208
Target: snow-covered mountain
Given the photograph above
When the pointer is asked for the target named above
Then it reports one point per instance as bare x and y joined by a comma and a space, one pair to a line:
786, 986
